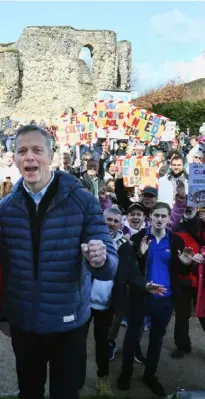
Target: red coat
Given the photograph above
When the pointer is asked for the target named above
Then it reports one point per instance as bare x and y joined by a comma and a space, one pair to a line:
1, 284
200, 303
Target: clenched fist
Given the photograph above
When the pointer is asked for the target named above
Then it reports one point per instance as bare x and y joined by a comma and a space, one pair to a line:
95, 252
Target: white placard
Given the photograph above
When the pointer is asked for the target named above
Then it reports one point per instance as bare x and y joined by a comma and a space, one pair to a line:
169, 132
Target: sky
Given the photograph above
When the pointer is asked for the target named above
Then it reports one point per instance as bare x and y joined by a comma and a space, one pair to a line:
168, 38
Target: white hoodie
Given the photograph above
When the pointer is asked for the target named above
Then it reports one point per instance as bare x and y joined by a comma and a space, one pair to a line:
101, 291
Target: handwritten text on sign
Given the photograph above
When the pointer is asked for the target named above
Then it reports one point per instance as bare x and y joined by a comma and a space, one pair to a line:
140, 171
196, 192
145, 125
77, 128
112, 114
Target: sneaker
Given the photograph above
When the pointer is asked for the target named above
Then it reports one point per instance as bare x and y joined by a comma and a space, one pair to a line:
124, 323
124, 380
153, 384
180, 353
112, 349
139, 357
103, 386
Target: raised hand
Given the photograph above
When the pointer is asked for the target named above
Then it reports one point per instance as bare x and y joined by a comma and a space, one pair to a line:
153, 288
186, 256
144, 245
118, 173
95, 252
180, 191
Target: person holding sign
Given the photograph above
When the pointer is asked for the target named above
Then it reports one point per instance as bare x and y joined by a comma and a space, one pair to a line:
168, 183
159, 263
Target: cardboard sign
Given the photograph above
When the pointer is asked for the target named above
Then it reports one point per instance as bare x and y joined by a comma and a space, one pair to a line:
170, 131
108, 95
75, 129
196, 192
140, 171
145, 125
112, 115
119, 162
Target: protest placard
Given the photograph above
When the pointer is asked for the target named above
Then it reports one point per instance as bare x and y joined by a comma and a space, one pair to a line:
140, 171
196, 192
111, 114
119, 162
110, 95
145, 125
78, 128
169, 133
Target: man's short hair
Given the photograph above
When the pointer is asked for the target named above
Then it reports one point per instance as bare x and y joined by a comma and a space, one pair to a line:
194, 137
160, 205
177, 157
35, 128
173, 152
92, 160
114, 210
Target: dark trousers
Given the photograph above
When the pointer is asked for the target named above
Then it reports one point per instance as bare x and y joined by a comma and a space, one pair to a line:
160, 311
102, 320
66, 354
184, 304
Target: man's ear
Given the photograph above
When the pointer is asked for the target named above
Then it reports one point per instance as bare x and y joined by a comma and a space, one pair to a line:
51, 157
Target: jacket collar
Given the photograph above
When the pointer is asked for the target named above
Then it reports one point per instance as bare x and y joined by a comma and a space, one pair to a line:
67, 183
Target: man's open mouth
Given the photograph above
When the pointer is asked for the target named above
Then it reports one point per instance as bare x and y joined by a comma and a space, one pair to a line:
31, 168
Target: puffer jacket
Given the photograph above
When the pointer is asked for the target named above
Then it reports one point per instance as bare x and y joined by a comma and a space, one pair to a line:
59, 298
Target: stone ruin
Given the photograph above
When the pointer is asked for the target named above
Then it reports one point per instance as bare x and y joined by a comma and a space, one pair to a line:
43, 75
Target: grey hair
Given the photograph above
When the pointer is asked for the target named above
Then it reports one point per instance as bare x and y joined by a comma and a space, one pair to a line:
198, 153
114, 210
35, 128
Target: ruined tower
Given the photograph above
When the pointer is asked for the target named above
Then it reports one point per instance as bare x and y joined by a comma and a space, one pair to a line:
42, 73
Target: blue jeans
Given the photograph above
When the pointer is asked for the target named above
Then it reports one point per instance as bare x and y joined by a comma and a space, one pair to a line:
160, 311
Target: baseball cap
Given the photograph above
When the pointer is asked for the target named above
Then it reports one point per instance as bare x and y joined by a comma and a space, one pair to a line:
136, 205
150, 190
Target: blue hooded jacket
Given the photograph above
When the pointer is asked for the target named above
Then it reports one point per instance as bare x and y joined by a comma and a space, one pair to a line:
59, 299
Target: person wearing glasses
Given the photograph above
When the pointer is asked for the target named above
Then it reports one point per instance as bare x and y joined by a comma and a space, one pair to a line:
197, 158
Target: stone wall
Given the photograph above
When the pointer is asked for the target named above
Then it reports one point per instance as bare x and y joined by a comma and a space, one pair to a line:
9, 81
44, 76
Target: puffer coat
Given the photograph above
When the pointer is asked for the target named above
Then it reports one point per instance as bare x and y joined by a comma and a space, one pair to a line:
59, 298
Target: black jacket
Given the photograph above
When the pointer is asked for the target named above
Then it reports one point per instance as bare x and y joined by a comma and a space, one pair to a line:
122, 195
101, 182
176, 243
127, 275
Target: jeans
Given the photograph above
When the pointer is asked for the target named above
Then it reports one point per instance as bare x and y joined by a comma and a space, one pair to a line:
66, 354
102, 320
160, 311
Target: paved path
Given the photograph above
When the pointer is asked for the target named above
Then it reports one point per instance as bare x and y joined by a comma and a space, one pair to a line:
187, 373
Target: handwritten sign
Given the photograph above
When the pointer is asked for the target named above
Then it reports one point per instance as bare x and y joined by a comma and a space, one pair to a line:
75, 129
196, 191
112, 115
170, 131
140, 171
145, 125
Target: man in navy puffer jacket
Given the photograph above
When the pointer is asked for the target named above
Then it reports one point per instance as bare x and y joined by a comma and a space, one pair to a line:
53, 237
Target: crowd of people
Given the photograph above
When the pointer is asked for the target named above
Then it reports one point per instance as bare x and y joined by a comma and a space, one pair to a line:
77, 245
